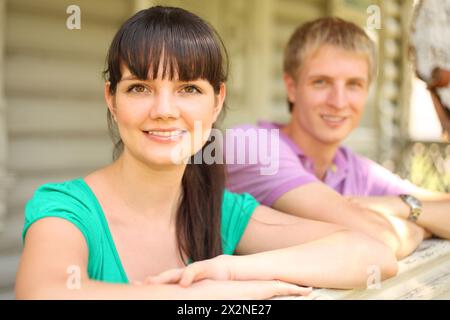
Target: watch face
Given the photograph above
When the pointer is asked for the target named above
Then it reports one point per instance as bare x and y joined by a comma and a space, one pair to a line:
415, 202
415, 206
412, 201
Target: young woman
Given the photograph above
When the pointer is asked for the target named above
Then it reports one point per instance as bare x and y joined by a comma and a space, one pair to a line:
151, 225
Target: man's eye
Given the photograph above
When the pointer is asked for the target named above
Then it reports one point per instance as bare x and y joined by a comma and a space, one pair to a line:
137, 88
319, 82
355, 84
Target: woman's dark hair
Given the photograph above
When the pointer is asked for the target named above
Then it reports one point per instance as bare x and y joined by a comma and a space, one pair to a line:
188, 48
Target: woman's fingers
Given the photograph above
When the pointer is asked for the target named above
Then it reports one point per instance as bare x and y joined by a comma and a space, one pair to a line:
289, 289
202, 270
166, 277
248, 289
194, 272
186, 276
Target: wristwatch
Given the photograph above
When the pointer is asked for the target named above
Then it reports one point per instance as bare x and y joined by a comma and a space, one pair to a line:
414, 204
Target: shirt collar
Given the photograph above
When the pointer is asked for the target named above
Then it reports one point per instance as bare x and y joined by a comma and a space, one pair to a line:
340, 161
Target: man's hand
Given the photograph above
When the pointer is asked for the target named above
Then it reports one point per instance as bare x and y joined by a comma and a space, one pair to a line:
394, 212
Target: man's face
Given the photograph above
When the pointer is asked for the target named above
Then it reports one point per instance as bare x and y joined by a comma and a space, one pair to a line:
329, 94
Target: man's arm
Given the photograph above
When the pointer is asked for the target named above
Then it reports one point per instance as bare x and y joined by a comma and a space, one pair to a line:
435, 216
319, 202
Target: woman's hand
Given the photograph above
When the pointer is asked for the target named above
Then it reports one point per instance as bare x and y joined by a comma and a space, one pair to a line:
221, 269
218, 268
251, 290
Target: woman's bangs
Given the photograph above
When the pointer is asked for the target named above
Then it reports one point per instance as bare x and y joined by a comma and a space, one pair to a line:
183, 54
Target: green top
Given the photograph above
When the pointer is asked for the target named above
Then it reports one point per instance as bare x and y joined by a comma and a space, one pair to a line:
74, 201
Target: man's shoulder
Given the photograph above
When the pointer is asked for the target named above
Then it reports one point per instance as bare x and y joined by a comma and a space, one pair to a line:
354, 158
363, 165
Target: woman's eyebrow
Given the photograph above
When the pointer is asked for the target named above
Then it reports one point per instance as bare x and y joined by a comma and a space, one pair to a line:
133, 77
130, 77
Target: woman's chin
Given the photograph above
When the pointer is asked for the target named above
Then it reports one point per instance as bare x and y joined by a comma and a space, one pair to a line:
165, 160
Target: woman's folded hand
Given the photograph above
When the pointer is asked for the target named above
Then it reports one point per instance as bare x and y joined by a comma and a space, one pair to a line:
218, 268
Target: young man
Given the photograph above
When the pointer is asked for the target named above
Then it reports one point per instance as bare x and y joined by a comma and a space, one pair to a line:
329, 64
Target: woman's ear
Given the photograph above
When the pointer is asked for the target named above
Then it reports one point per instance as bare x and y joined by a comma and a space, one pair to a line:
220, 99
109, 98
290, 85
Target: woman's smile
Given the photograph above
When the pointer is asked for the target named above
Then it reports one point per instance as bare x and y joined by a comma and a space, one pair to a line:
165, 135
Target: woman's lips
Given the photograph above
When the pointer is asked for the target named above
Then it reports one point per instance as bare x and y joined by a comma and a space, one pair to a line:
165, 135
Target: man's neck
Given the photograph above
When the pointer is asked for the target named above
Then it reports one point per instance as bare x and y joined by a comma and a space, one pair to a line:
321, 154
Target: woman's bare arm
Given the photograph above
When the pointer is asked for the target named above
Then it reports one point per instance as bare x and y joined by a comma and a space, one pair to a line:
303, 252
54, 246
318, 255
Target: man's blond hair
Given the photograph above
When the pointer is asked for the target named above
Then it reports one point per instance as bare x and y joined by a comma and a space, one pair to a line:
327, 31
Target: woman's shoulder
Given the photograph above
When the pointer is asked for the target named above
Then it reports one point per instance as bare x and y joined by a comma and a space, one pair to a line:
238, 202
236, 212
66, 192
70, 199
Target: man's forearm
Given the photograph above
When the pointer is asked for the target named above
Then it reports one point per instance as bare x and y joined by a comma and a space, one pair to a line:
435, 216
402, 236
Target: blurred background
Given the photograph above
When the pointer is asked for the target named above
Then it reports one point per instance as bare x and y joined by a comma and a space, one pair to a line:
53, 117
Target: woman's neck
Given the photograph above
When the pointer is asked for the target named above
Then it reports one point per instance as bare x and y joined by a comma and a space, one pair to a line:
153, 192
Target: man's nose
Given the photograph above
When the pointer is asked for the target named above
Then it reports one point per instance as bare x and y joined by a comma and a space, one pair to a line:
337, 97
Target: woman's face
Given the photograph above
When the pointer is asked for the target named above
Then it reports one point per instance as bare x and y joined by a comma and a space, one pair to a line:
162, 121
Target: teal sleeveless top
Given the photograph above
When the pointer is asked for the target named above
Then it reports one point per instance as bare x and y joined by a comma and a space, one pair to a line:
75, 202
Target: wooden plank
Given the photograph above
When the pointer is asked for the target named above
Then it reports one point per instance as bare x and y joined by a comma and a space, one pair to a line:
25, 185
91, 42
298, 11
425, 282
112, 11
9, 264
35, 116
53, 77
59, 152
11, 237
259, 58
4, 181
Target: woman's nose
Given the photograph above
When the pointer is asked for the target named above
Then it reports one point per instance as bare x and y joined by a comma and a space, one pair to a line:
164, 106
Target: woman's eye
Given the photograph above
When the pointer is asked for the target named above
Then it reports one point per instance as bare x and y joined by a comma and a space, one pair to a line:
190, 89
137, 88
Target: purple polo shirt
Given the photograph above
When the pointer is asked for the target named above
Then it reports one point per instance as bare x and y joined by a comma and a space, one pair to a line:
351, 174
